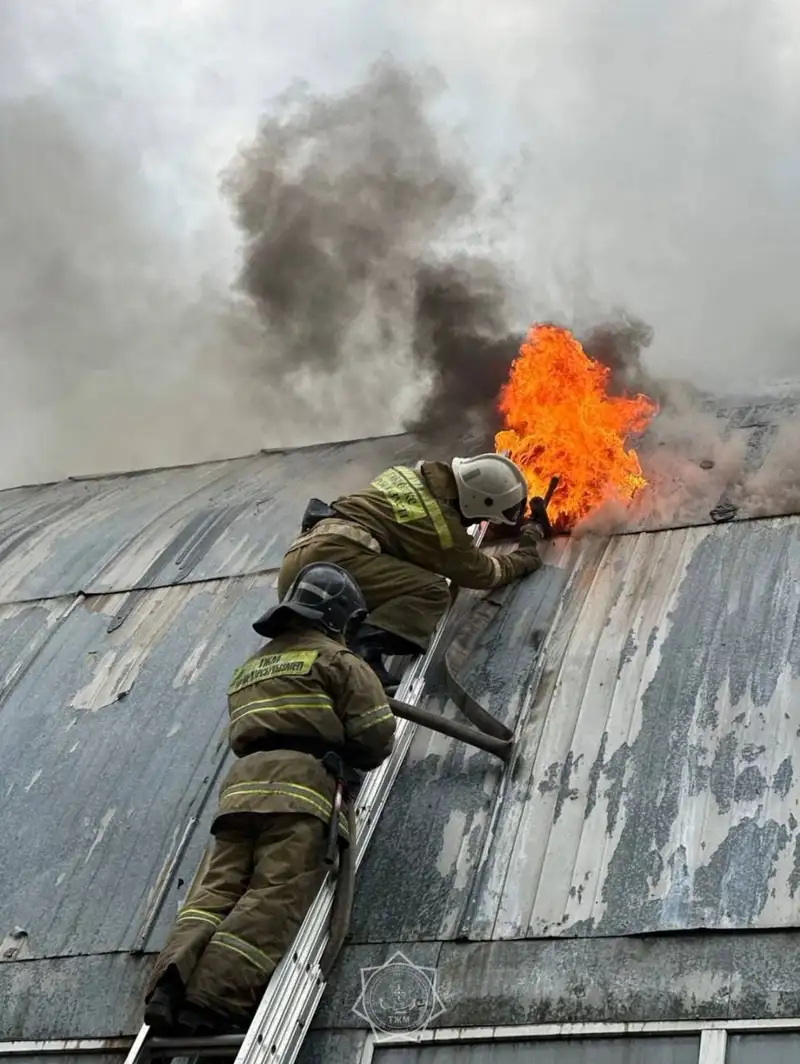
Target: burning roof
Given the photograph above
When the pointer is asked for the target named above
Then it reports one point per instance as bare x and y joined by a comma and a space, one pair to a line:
560, 420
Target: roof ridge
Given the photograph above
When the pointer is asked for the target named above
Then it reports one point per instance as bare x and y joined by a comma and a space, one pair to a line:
136, 472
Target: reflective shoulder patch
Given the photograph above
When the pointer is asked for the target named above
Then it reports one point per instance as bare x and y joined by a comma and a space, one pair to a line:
397, 484
411, 501
267, 667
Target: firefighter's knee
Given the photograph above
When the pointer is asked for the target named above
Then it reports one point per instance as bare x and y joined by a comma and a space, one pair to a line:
438, 593
290, 567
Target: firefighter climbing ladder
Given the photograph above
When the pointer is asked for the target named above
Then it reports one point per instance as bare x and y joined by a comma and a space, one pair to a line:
297, 985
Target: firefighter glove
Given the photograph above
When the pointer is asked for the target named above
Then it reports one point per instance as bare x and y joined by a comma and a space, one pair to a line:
538, 516
531, 533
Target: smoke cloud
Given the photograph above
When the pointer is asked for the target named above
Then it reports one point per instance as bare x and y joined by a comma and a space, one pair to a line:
348, 206
117, 350
343, 201
774, 487
628, 172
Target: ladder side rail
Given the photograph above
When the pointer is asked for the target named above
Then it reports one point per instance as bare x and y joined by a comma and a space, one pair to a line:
297, 983
296, 987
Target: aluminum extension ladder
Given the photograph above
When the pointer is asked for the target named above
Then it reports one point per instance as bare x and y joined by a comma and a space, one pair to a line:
290, 1001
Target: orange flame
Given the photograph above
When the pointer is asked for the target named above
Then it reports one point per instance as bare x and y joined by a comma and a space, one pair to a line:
559, 420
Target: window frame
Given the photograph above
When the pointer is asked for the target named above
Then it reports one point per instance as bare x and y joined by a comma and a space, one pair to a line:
713, 1037
713, 1034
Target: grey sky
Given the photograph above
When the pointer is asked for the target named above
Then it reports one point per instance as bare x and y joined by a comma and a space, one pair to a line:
653, 150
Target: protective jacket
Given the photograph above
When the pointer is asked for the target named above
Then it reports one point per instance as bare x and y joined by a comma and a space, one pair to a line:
413, 515
245, 907
306, 690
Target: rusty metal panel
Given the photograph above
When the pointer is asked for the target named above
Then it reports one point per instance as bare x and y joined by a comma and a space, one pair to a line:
658, 789
171, 526
112, 744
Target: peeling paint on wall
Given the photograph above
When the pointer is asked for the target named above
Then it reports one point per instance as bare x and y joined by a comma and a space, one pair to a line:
662, 793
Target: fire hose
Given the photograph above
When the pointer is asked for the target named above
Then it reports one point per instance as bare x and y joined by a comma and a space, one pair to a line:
479, 738
489, 734
345, 879
344, 890
459, 649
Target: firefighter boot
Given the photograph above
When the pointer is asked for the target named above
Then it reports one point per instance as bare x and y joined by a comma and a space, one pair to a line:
161, 1010
372, 643
195, 1021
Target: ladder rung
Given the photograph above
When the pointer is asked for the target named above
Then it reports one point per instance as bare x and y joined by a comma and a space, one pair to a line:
196, 1046
296, 987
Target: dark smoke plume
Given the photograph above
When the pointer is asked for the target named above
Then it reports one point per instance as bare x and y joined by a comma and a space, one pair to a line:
337, 198
461, 338
471, 356
342, 202
618, 344
116, 256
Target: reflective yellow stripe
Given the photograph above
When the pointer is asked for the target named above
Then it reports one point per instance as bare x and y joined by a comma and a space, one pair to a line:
200, 914
223, 937
349, 530
300, 696
289, 663
284, 783
286, 702
313, 798
369, 720
412, 501
323, 807
258, 707
403, 496
234, 949
434, 511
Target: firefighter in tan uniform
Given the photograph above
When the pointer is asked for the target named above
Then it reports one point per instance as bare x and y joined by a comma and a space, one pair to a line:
406, 534
298, 697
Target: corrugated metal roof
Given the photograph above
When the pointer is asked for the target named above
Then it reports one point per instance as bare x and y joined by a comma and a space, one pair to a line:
171, 526
72, 997
697, 466
656, 787
228, 518
634, 753
436, 824
112, 709
111, 742
659, 790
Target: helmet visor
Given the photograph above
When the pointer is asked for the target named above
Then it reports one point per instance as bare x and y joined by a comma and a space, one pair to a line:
354, 623
514, 513
275, 620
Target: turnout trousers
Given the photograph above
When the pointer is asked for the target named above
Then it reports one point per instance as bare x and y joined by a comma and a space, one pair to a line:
264, 872
401, 598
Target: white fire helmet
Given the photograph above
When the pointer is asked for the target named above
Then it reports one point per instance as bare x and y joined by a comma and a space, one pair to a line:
490, 488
